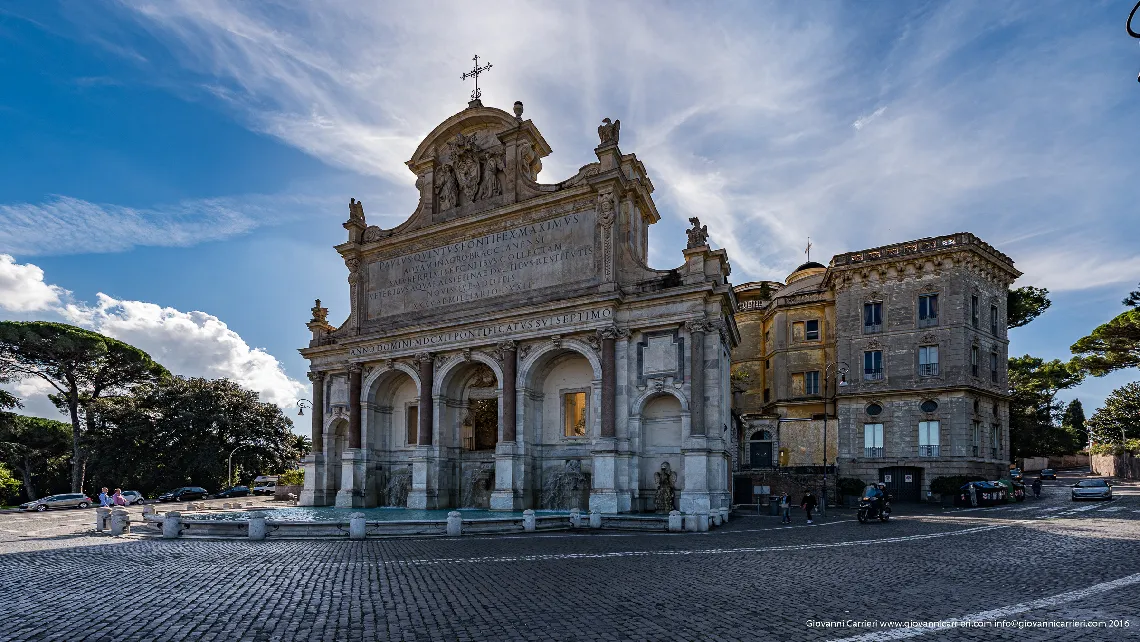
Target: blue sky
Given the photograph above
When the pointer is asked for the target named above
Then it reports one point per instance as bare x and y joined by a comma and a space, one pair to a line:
175, 173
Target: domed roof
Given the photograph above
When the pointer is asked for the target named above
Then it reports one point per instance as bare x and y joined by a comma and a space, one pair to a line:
809, 265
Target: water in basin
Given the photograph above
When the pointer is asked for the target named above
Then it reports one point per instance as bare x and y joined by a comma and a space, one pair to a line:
383, 514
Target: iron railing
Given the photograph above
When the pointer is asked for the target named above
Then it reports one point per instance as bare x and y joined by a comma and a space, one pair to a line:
928, 369
928, 451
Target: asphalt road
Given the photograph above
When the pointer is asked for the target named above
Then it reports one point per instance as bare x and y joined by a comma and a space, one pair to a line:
1001, 573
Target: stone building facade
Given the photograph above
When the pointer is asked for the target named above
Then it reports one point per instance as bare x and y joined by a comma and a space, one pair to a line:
508, 347
908, 345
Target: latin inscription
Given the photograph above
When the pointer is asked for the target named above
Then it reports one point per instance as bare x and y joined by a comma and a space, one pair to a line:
558, 251
490, 330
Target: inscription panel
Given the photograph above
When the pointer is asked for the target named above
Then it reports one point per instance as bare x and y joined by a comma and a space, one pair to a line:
551, 253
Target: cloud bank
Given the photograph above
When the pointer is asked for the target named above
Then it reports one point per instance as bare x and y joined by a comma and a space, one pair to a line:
193, 344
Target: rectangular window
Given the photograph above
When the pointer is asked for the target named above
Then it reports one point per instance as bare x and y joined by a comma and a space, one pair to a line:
767, 395
413, 427
928, 361
872, 317
811, 383
798, 331
995, 440
974, 314
872, 365
977, 437
928, 439
993, 320
872, 440
927, 310
974, 360
993, 367
574, 414
811, 330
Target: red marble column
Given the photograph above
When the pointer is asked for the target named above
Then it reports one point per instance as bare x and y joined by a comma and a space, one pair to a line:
609, 383
427, 377
354, 406
509, 351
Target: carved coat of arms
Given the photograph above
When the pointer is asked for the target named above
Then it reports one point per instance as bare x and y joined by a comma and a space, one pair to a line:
466, 163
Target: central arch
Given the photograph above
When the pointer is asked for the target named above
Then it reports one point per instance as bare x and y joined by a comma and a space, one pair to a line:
468, 401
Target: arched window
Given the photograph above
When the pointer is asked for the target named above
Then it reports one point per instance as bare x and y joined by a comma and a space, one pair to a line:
761, 435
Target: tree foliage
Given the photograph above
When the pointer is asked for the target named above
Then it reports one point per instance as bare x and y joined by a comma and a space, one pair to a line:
37, 450
83, 367
1025, 304
1111, 346
1035, 414
9, 486
181, 432
1118, 420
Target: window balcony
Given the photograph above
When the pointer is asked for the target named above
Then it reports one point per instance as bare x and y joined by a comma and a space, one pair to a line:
928, 451
872, 329
993, 376
928, 322
874, 375
993, 453
928, 369
976, 449
873, 453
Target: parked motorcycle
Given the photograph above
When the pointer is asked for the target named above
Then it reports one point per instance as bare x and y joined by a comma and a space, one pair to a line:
868, 511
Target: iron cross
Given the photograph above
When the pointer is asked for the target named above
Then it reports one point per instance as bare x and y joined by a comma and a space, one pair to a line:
474, 73
808, 250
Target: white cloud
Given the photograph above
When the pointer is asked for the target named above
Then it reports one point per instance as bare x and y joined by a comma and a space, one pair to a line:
193, 344
188, 343
22, 287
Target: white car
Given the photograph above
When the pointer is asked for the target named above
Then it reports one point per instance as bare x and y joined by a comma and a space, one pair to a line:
265, 488
132, 497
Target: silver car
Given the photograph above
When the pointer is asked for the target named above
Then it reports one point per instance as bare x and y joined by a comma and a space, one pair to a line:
66, 500
132, 497
1092, 489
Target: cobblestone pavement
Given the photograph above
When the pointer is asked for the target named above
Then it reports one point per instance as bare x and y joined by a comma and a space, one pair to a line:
1048, 560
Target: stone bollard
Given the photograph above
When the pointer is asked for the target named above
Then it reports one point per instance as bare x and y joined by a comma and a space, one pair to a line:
190, 507
702, 521
595, 518
724, 514
120, 522
172, 525
715, 517
226, 505
257, 528
148, 510
575, 518
102, 519
691, 522
675, 521
454, 524
528, 520
356, 526
248, 504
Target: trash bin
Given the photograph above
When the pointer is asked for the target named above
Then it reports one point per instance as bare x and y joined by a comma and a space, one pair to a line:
774, 502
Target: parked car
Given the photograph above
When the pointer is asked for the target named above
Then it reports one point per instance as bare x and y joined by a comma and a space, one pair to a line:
183, 494
133, 497
1092, 489
1015, 474
1048, 473
233, 491
66, 500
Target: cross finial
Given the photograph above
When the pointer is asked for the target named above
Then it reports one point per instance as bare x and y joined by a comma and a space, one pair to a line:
808, 250
474, 73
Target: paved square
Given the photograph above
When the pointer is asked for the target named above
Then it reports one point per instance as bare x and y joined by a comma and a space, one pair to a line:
62, 581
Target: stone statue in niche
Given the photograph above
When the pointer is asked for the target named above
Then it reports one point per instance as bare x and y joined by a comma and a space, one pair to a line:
526, 159
355, 210
448, 188
491, 186
666, 480
698, 234
608, 132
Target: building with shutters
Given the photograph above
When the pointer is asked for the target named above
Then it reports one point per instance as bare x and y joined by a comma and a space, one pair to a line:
888, 364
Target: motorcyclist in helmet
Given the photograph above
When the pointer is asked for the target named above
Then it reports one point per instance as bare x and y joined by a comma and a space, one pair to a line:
884, 497
875, 494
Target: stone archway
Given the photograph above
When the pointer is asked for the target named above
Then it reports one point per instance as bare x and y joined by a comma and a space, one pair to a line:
468, 408
390, 418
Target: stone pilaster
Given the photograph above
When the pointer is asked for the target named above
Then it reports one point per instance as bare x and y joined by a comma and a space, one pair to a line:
427, 378
318, 411
603, 495
697, 376
508, 488
354, 375
509, 350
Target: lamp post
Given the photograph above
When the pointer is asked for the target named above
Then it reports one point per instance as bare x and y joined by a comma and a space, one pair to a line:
230, 476
1128, 25
841, 369
301, 405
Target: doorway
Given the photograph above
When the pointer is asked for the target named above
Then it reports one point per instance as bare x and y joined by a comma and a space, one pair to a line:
760, 449
904, 482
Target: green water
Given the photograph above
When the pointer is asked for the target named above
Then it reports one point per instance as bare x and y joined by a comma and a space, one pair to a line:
329, 514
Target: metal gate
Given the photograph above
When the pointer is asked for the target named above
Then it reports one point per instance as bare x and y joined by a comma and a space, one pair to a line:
760, 454
904, 482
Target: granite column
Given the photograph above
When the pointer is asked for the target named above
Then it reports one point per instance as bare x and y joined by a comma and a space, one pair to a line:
354, 372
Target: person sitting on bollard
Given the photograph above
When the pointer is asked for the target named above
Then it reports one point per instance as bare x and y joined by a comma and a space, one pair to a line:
105, 498
118, 499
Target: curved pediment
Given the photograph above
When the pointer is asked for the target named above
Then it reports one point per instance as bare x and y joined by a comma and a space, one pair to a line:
490, 120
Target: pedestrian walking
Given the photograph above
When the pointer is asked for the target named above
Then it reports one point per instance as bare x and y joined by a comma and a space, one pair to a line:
1037, 488
118, 498
785, 508
808, 504
104, 498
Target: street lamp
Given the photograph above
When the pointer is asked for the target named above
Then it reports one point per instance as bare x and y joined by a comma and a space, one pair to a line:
301, 405
1131, 31
230, 476
840, 369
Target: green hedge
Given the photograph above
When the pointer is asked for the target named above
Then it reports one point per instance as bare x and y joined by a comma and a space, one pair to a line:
294, 477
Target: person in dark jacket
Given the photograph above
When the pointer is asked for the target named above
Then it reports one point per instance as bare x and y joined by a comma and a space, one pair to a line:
1037, 488
808, 504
